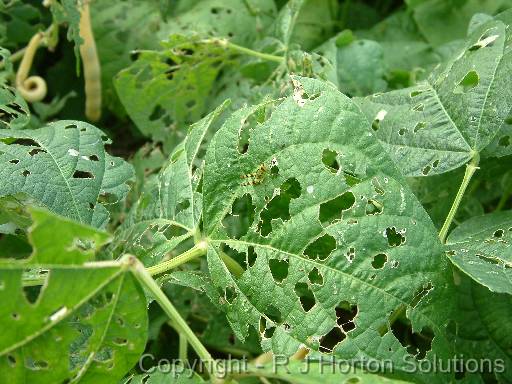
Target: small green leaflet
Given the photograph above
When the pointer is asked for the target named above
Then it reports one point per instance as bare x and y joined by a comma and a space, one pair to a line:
332, 228
87, 322
64, 167
481, 248
441, 123
169, 211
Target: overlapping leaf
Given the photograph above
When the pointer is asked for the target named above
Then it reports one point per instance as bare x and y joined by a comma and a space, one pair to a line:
481, 248
169, 211
334, 241
483, 334
440, 124
63, 166
86, 323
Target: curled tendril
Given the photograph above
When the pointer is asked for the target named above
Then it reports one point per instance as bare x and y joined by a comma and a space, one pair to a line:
92, 70
31, 88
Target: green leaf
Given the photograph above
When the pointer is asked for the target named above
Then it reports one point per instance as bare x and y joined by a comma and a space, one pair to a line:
440, 124
333, 228
87, 323
165, 91
483, 330
68, 12
240, 21
441, 21
359, 66
117, 32
14, 112
480, 247
64, 167
169, 211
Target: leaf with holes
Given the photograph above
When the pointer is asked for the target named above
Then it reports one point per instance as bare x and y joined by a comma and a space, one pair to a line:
64, 167
440, 124
87, 322
169, 211
14, 112
165, 91
480, 247
335, 247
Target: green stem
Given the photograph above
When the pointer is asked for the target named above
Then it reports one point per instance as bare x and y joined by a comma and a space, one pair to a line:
470, 170
198, 250
178, 322
246, 51
183, 348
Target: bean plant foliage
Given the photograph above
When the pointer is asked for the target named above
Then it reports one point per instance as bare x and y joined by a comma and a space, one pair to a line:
257, 191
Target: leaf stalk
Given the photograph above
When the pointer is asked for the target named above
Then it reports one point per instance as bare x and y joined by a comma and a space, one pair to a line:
178, 322
193, 253
471, 168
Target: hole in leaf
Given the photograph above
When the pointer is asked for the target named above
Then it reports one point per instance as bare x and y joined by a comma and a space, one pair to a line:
332, 210
419, 125
418, 107
157, 113
484, 41
415, 93
378, 118
416, 343
269, 332
345, 315
230, 294
238, 222
35, 151
499, 233
379, 261
315, 277
329, 158
373, 207
306, 297
469, 82
395, 238
26, 142
425, 171
279, 269
321, 248
26, 173
279, 206
402, 131
83, 175
14, 161
330, 340
273, 314
504, 141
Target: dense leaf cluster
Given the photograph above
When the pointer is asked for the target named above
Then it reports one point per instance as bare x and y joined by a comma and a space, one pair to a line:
316, 180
